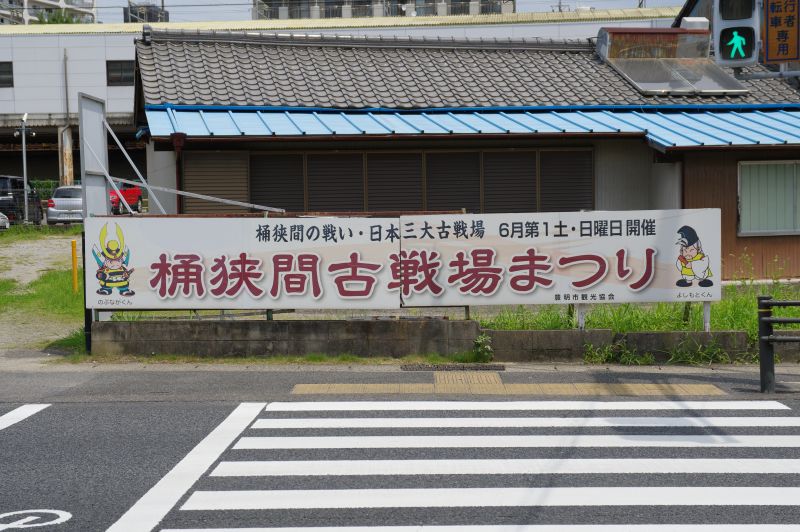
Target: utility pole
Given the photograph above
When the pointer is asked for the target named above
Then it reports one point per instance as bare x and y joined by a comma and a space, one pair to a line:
24, 131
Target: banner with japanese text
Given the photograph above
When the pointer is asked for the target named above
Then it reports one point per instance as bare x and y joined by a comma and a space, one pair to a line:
385, 263
556, 258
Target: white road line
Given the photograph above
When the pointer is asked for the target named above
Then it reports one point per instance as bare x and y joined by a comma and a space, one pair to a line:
490, 497
148, 511
561, 440
522, 422
393, 406
506, 467
18, 414
514, 528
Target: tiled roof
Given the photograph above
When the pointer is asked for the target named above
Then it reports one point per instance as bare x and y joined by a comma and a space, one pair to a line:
272, 70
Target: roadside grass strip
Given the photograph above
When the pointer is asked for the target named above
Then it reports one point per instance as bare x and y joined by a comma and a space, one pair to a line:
19, 414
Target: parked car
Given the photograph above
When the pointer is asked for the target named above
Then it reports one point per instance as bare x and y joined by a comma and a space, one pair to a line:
4, 223
12, 200
66, 205
131, 193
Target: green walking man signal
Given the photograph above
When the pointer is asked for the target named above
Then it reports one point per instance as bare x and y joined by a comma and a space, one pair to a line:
737, 28
736, 43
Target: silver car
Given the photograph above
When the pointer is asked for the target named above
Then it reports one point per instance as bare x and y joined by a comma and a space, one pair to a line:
4, 223
66, 205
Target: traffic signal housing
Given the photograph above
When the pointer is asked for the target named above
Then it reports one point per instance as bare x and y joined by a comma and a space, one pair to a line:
737, 32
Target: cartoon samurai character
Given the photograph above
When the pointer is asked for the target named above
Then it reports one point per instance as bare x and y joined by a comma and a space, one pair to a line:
692, 262
112, 261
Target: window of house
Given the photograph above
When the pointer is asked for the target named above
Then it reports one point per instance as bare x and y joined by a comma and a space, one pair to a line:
769, 198
6, 74
119, 73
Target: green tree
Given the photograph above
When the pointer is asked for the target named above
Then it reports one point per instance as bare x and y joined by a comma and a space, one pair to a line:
57, 16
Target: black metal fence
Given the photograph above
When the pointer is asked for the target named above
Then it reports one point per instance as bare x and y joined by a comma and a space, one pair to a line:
767, 337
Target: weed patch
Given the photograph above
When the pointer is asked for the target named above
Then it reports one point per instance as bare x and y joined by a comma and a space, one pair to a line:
49, 297
616, 353
18, 233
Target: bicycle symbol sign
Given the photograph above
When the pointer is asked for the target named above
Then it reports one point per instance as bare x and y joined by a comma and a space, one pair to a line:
32, 519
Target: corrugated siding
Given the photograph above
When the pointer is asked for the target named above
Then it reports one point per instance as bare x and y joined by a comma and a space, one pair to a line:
335, 182
710, 180
767, 197
453, 181
277, 181
220, 174
394, 181
509, 182
567, 180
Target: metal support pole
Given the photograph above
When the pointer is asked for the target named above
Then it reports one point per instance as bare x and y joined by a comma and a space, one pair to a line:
580, 311
766, 351
87, 312
707, 316
25, 167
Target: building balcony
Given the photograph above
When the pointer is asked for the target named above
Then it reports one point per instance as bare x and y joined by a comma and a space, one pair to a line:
284, 9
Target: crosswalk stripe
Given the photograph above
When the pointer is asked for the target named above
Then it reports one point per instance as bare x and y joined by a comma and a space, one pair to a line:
491, 497
505, 467
19, 414
148, 511
514, 528
522, 422
393, 406
520, 441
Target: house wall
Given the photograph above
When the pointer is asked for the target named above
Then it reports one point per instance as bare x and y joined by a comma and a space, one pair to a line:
622, 171
710, 179
622, 175
161, 173
665, 185
40, 86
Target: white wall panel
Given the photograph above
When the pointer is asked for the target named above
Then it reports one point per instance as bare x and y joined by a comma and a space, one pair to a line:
161, 172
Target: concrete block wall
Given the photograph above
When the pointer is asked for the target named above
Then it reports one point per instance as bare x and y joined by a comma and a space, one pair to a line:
392, 338
385, 338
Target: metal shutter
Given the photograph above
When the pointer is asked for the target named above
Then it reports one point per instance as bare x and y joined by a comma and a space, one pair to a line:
220, 174
335, 182
277, 181
509, 182
567, 180
394, 181
453, 181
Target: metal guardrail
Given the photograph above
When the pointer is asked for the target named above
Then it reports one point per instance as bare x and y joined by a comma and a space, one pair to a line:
767, 337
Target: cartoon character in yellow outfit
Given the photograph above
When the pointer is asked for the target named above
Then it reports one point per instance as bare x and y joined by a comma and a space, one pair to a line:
692, 262
112, 261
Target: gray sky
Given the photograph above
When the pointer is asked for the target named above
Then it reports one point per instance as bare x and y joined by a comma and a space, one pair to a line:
110, 11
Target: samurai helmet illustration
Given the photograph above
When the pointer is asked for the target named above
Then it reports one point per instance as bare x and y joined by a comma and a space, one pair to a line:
113, 249
688, 236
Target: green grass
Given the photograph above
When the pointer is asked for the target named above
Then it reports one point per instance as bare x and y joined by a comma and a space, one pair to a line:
74, 344
735, 312
17, 233
50, 296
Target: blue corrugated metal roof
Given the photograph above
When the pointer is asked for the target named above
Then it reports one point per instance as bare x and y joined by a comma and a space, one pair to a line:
662, 129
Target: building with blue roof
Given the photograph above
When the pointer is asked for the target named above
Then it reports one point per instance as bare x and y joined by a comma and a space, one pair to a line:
640, 119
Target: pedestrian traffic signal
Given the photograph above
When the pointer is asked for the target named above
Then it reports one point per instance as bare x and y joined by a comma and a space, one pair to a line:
737, 25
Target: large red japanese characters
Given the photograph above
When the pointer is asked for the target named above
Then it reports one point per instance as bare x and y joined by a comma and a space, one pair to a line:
437, 260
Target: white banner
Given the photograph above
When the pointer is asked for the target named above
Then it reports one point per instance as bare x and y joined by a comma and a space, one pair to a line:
432, 260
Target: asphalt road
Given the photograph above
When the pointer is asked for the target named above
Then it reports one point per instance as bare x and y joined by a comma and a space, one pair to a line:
227, 448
